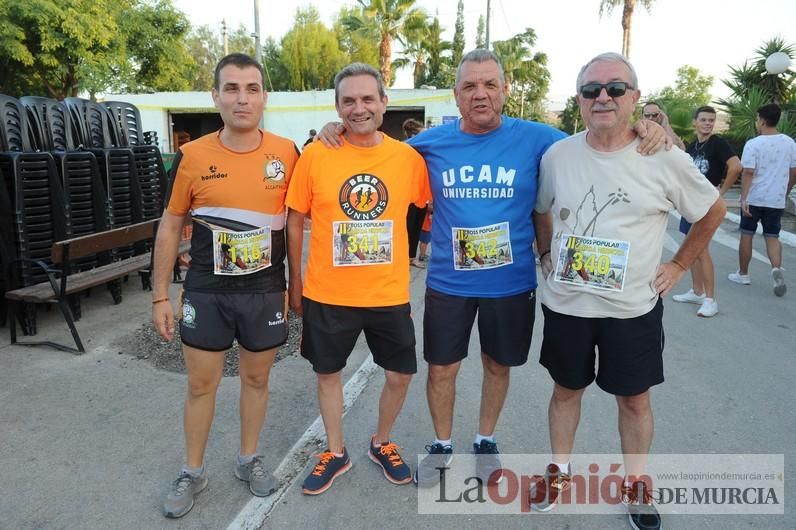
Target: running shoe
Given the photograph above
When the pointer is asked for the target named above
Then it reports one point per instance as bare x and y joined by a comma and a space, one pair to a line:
779, 281
737, 277
546, 491
640, 510
261, 483
329, 467
689, 298
394, 468
488, 467
708, 308
182, 492
430, 469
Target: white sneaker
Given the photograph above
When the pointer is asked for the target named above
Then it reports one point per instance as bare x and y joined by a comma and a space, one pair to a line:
689, 298
708, 308
779, 281
737, 277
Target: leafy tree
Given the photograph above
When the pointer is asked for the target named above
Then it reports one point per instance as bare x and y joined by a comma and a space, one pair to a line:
527, 74
752, 86
480, 40
570, 119
58, 48
276, 76
457, 46
628, 7
311, 52
207, 48
358, 45
390, 19
691, 90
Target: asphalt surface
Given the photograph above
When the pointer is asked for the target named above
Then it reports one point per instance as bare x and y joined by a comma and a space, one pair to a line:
93, 441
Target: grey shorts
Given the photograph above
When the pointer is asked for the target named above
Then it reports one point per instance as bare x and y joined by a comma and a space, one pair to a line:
211, 321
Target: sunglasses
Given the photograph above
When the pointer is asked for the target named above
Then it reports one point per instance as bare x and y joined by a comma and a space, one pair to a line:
614, 90
651, 115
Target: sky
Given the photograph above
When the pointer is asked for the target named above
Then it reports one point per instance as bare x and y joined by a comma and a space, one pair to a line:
707, 34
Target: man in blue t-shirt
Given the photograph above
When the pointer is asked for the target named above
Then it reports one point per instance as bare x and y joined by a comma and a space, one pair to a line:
483, 170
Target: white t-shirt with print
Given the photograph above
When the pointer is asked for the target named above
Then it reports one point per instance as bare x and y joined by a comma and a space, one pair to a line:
771, 156
621, 196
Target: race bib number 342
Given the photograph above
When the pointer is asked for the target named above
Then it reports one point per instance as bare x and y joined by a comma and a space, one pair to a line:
483, 247
592, 262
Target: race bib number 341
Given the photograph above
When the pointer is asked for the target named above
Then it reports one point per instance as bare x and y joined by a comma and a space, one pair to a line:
358, 243
483, 247
592, 262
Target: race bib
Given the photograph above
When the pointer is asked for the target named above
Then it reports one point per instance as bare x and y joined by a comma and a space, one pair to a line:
592, 262
358, 243
484, 247
237, 253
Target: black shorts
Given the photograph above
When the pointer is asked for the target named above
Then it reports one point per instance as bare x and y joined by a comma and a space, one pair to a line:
505, 326
211, 321
330, 332
770, 218
630, 351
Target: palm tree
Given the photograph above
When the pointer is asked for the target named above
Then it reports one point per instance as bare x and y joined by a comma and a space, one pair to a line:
391, 20
628, 6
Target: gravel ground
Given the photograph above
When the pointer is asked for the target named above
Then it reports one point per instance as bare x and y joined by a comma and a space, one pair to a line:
144, 343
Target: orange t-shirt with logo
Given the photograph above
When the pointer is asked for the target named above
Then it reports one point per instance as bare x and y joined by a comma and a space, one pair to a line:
358, 198
244, 188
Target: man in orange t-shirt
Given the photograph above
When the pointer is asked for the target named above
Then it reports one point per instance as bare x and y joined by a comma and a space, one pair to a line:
357, 276
232, 183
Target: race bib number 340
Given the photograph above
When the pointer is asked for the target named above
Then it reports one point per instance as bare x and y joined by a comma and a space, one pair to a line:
592, 262
358, 243
483, 247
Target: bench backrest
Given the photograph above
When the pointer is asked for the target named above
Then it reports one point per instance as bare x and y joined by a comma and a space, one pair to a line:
82, 246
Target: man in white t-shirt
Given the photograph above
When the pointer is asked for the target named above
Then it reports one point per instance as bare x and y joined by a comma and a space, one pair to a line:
769, 172
607, 211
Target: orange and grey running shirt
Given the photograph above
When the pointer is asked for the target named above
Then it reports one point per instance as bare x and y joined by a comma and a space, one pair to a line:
234, 192
358, 198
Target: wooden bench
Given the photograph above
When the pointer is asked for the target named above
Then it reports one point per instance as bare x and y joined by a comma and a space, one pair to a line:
63, 282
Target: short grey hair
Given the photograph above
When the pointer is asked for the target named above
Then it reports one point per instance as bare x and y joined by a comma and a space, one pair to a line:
610, 57
354, 69
479, 55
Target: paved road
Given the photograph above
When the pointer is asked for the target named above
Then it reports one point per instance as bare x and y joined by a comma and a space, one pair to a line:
92, 441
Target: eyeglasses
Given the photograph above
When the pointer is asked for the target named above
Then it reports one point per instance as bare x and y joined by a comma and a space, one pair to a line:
651, 115
614, 90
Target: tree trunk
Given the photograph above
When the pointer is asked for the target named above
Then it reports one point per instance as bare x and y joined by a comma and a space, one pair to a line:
385, 54
627, 21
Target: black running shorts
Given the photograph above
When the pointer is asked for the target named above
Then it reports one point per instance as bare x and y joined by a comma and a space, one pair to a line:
630, 351
210, 321
505, 326
330, 332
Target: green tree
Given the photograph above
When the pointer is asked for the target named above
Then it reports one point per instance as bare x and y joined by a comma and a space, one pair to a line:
751, 86
358, 45
690, 91
390, 20
311, 52
206, 47
628, 7
527, 74
66, 46
570, 119
480, 40
457, 46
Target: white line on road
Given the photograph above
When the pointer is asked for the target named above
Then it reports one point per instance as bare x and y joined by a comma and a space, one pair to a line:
256, 510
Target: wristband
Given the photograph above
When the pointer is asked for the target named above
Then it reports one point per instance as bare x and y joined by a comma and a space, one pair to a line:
160, 300
543, 254
679, 264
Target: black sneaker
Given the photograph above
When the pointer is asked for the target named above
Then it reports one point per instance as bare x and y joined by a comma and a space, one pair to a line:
640, 510
329, 467
432, 466
395, 469
546, 490
487, 465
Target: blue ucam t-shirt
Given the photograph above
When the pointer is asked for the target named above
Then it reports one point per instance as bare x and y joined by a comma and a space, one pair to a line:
484, 190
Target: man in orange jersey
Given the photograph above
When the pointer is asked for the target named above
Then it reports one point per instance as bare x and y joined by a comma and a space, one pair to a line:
232, 184
358, 196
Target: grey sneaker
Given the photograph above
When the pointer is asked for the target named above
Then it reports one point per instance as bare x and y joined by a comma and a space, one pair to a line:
261, 484
180, 498
430, 469
779, 281
487, 464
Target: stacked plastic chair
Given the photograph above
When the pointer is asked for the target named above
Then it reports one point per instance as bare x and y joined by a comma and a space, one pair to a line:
38, 213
